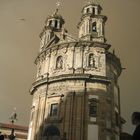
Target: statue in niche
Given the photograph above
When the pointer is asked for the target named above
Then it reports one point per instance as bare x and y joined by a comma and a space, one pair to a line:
59, 62
91, 61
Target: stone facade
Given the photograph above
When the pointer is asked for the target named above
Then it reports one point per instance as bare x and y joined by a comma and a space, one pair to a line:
76, 94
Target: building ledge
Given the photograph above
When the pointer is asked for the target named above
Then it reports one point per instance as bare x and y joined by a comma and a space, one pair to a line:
12, 126
85, 77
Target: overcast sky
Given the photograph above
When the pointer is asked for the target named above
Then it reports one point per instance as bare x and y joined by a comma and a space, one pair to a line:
21, 22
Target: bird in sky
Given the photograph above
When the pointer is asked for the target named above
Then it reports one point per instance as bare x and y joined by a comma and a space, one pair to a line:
22, 19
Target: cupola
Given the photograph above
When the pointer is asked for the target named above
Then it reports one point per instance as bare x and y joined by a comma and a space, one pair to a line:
91, 26
91, 9
53, 24
55, 21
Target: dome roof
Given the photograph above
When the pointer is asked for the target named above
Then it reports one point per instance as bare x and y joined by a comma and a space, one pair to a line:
93, 4
56, 15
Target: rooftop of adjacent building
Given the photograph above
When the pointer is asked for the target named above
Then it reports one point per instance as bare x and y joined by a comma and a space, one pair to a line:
20, 131
13, 126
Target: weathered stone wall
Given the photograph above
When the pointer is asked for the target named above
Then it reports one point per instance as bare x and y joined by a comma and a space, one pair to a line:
75, 60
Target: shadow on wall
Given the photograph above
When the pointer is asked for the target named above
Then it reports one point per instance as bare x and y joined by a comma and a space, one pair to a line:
125, 136
48, 132
59, 119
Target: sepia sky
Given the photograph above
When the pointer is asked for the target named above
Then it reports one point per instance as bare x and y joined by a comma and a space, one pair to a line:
21, 22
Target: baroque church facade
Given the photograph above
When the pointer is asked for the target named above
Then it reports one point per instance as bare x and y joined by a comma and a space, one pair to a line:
76, 94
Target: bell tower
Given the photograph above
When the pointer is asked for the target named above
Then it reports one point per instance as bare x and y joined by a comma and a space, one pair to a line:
91, 26
53, 25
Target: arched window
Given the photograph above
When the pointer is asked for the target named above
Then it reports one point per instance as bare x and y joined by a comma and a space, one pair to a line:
60, 25
93, 10
88, 10
59, 62
56, 22
94, 27
93, 107
54, 109
91, 60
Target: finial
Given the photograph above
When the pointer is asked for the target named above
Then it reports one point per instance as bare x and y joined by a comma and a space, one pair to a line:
92, 1
57, 6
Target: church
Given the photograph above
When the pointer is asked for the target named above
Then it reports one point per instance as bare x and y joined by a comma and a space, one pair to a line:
76, 95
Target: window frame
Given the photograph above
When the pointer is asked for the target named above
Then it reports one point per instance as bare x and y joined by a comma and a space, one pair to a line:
52, 112
56, 23
94, 25
93, 107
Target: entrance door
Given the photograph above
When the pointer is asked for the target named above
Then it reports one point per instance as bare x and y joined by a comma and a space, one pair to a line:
51, 133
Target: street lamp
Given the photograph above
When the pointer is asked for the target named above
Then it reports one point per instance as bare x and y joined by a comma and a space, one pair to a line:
13, 118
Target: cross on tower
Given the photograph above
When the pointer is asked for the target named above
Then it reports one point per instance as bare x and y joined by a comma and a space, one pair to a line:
57, 6
58, 3
92, 1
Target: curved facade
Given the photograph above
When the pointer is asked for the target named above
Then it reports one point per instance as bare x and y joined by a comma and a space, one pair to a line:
76, 94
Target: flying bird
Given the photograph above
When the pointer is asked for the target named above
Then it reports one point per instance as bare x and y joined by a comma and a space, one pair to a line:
22, 19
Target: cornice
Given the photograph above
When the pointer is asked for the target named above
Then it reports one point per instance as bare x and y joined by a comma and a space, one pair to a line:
94, 16
67, 45
66, 77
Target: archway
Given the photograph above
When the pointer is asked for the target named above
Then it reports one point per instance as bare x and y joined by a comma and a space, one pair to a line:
51, 133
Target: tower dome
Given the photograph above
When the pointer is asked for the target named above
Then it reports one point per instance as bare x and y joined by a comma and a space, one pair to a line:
55, 21
53, 25
91, 9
